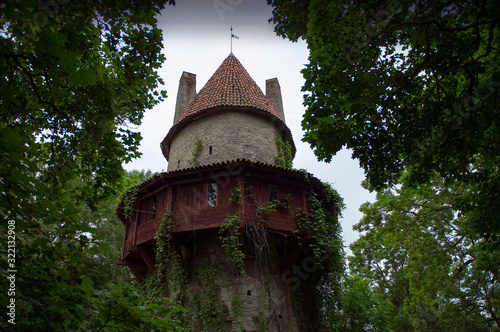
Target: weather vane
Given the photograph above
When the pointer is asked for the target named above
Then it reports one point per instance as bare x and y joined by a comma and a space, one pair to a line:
233, 36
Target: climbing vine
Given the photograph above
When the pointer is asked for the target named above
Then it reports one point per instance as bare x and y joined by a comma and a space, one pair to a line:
230, 230
169, 273
284, 157
202, 298
235, 197
129, 199
205, 306
235, 307
198, 146
264, 306
168, 260
274, 205
322, 220
258, 233
230, 234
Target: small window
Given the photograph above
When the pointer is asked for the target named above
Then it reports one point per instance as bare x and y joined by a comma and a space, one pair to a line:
155, 206
273, 192
212, 194
210, 149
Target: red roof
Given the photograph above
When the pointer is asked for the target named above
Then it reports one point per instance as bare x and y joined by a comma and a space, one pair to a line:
229, 86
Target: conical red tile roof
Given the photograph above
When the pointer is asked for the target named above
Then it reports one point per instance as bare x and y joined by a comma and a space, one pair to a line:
229, 86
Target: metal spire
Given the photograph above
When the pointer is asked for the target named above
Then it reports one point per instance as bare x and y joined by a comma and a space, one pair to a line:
233, 36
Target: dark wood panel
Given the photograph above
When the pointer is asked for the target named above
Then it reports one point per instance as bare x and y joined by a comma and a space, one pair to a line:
147, 231
199, 219
186, 203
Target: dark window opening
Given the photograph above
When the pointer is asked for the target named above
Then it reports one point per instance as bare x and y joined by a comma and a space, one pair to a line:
210, 149
273, 192
212, 194
178, 163
155, 205
249, 292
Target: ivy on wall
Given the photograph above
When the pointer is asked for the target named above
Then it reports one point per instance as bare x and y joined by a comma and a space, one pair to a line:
205, 310
235, 307
284, 158
129, 199
264, 303
169, 274
322, 290
201, 302
198, 146
201, 297
258, 234
265, 210
230, 234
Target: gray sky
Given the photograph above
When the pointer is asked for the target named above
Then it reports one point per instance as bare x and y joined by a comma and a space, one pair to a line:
197, 39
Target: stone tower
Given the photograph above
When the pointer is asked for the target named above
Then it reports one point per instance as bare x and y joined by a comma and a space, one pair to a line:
230, 117
231, 230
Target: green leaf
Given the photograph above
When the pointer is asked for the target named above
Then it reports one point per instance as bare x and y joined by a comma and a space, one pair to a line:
87, 285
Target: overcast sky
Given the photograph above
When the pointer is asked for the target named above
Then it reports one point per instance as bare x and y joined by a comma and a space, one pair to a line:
197, 39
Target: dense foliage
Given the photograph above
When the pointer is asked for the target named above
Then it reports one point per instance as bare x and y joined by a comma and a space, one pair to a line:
321, 290
412, 89
362, 308
284, 158
75, 78
417, 254
405, 85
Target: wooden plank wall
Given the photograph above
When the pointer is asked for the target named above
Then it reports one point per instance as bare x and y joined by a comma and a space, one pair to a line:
190, 211
258, 195
147, 221
147, 231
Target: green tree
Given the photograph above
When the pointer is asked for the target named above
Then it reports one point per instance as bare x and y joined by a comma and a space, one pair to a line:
119, 308
417, 251
75, 79
406, 86
107, 235
362, 308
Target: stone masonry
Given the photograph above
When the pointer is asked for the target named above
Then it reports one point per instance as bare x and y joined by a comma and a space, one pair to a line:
225, 135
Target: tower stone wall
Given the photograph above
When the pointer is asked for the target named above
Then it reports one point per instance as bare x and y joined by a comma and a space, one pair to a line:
258, 301
225, 135
242, 236
229, 119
